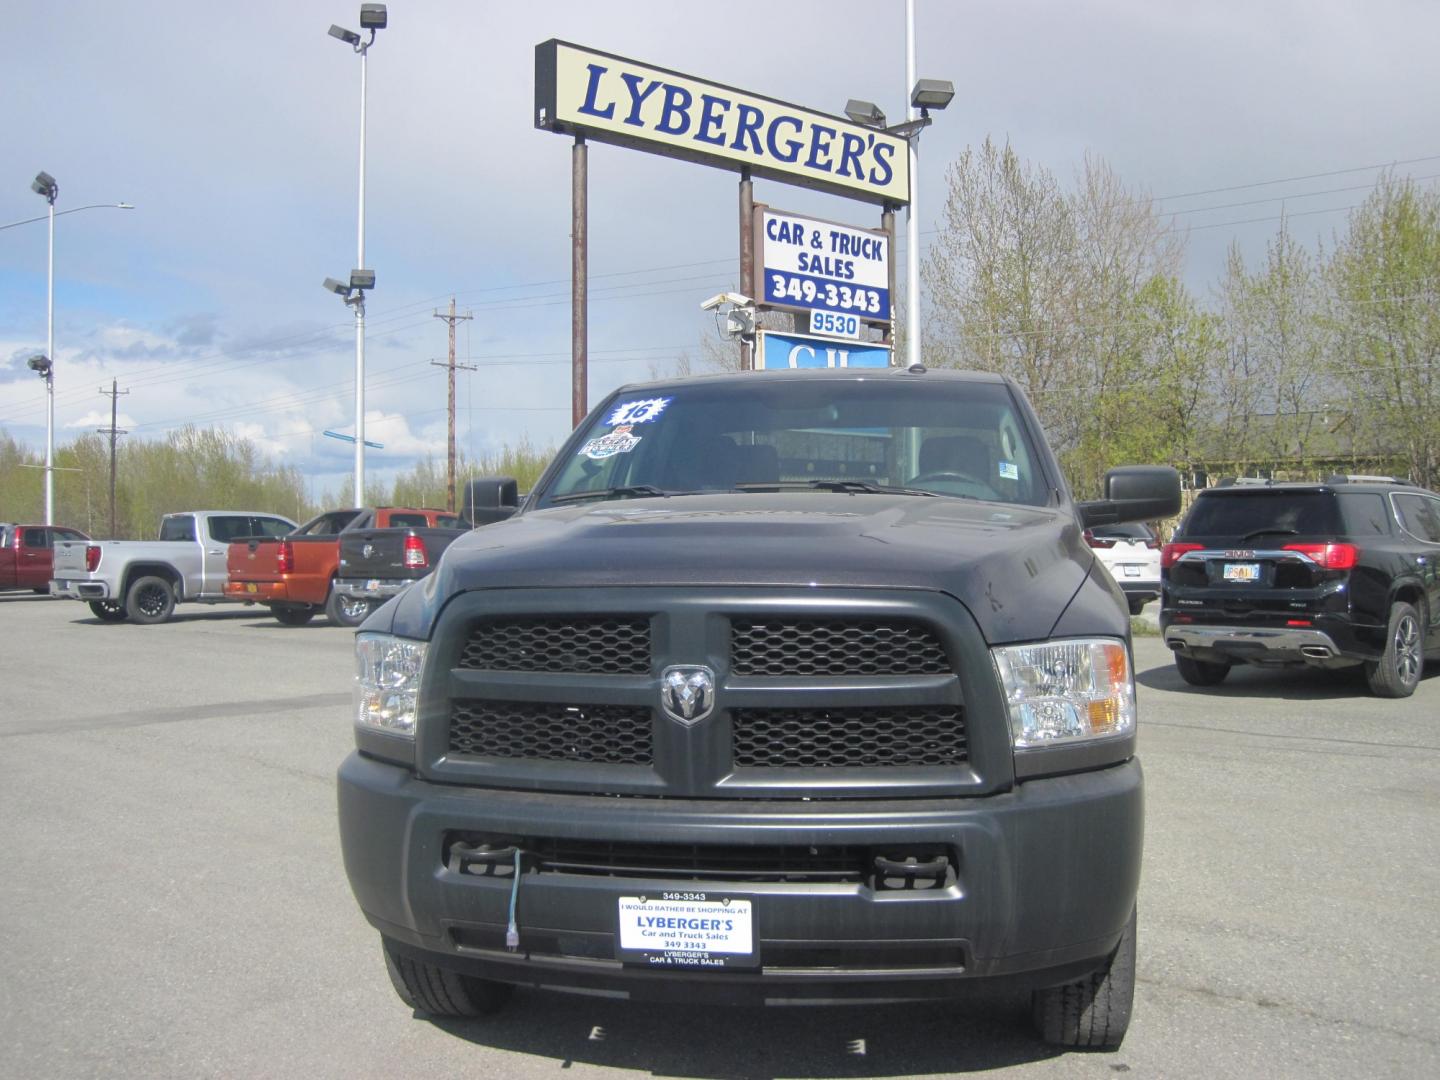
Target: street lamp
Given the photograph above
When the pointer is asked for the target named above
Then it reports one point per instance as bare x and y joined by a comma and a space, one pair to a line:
45, 186
372, 17
72, 210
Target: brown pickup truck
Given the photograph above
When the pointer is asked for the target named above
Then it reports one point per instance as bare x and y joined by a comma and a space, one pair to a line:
295, 574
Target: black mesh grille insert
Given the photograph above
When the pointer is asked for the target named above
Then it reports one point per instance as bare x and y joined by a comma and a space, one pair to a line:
585, 645
849, 738
602, 734
781, 646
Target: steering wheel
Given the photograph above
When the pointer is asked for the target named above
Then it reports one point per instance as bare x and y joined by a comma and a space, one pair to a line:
947, 476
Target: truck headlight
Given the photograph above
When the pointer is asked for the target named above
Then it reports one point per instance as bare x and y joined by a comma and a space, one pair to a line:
387, 682
1066, 691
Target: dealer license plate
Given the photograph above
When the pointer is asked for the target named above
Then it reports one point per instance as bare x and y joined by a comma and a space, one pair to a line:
1132, 571
1242, 571
251, 587
686, 930
373, 585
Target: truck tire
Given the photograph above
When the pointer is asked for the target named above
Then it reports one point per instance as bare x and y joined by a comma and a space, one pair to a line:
1398, 671
347, 610
108, 610
150, 600
292, 614
1093, 1012
1201, 672
439, 991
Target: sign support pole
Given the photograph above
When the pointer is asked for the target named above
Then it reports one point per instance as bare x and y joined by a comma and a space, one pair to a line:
747, 259
579, 281
887, 222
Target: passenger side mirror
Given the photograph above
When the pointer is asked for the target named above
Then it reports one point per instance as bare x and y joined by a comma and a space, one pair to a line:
1134, 493
490, 499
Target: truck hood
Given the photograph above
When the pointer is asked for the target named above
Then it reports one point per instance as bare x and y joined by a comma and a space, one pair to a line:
1016, 568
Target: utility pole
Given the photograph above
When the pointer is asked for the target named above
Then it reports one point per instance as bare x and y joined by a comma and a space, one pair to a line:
114, 395
452, 318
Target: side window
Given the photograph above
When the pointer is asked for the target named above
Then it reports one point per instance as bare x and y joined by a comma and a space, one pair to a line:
271, 527
1419, 516
36, 538
449, 521
225, 529
328, 524
181, 527
1363, 514
69, 534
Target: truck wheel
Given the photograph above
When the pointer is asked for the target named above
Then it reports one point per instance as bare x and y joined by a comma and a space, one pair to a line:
1397, 672
108, 610
297, 615
440, 991
347, 610
1093, 1012
150, 600
1201, 672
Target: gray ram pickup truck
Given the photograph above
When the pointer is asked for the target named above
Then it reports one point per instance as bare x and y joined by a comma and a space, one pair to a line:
779, 686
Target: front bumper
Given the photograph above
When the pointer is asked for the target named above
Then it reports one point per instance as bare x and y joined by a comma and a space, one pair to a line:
371, 588
1046, 879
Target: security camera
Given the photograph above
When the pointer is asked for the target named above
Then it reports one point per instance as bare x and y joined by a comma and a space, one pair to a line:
734, 298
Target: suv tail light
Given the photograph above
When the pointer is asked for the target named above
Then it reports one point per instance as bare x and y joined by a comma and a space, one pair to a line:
92, 557
1329, 556
415, 554
1170, 553
285, 559
1098, 541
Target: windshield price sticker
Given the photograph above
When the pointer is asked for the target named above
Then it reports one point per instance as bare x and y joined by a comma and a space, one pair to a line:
823, 266
699, 931
829, 324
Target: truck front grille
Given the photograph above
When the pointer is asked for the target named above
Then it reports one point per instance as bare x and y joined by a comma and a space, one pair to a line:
597, 734
787, 646
582, 645
849, 738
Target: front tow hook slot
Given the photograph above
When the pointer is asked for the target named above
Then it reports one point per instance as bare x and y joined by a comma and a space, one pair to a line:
912, 872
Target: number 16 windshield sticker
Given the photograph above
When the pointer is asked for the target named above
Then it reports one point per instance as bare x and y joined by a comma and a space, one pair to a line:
638, 412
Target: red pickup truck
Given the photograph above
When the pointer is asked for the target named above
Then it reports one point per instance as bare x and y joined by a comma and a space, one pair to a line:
27, 554
295, 574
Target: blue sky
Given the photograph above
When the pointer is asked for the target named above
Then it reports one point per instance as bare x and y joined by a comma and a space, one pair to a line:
233, 129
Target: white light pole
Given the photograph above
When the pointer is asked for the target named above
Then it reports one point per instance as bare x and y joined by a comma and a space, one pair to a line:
373, 17
912, 219
44, 185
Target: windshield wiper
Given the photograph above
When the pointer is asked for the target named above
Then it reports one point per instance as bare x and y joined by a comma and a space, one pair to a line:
1268, 532
851, 486
632, 491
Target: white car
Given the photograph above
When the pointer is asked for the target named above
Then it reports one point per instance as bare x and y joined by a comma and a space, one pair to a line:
1132, 555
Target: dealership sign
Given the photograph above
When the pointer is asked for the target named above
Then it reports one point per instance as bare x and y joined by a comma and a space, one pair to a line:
774, 351
821, 266
610, 99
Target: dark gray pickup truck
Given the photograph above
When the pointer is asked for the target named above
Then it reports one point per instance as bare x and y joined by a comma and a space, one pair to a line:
795, 686
377, 564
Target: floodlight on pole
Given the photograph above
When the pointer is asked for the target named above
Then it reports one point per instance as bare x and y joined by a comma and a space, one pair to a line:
373, 17
865, 113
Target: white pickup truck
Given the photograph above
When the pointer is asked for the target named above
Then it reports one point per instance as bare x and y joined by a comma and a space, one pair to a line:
142, 580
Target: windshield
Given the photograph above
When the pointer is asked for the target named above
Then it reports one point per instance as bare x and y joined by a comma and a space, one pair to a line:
926, 437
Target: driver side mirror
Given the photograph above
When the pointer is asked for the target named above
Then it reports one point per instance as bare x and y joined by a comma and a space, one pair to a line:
1134, 493
489, 499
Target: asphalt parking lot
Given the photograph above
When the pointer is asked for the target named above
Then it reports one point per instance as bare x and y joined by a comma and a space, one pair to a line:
172, 901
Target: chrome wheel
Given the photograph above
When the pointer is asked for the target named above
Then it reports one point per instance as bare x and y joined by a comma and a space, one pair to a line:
1406, 647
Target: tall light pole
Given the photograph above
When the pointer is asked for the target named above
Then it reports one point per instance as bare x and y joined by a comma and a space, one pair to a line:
373, 17
44, 185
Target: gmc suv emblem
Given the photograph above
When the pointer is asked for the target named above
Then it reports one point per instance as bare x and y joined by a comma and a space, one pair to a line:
687, 694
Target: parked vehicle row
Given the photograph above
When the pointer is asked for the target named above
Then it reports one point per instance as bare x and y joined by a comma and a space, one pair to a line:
215, 556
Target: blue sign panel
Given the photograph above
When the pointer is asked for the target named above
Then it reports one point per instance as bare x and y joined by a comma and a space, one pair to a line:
774, 351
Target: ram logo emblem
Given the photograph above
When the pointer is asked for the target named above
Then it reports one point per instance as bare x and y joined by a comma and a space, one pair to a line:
687, 694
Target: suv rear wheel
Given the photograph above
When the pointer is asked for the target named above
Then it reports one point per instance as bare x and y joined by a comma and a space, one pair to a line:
1201, 672
440, 991
1397, 672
